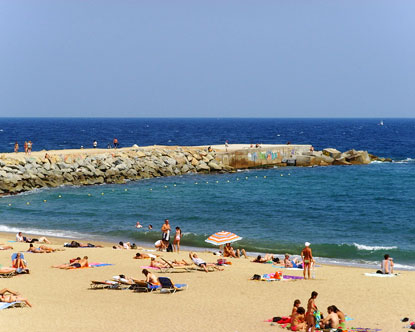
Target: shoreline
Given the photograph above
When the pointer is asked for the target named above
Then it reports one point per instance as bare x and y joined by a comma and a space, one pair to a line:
109, 242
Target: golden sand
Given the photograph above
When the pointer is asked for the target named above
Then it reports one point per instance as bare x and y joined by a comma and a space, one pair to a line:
217, 301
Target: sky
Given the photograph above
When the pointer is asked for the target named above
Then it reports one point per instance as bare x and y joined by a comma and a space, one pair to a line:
225, 58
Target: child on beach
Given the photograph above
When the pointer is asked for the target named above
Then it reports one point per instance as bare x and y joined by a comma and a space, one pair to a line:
177, 238
298, 320
295, 307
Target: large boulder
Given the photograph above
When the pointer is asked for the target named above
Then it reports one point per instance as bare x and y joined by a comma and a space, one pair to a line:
333, 153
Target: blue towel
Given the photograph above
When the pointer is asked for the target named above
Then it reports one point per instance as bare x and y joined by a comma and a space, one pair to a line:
5, 305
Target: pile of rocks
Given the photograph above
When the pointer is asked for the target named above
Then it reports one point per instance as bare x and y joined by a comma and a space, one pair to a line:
332, 156
115, 166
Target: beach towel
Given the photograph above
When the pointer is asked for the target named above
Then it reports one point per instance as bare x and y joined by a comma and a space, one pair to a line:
5, 305
149, 267
380, 275
99, 264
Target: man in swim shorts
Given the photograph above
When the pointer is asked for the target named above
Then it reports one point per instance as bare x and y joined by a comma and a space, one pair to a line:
307, 257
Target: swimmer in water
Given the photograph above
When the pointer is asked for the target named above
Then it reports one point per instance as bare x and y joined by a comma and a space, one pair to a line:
138, 225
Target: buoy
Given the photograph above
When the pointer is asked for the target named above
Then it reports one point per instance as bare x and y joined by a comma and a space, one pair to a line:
174, 185
207, 182
289, 173
10, 204
44, 201
282, 175
89, 194
265, 176
237, 179
217, 181
151, 189
125, 189
256, 177
102, 193
227, 181
28, 203
60, 196
195, 182
246, 177
165, 186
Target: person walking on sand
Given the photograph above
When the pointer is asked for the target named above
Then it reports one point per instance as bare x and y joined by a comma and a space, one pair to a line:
307, 257
16, 147
25, 147
177, 238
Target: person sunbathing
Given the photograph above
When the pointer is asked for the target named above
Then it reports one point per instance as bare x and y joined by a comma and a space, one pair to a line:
294, 263
228, 251
144, 256
4, 247
75, 244
9, 296
150, 278
74, 264
158, 264
267, 258
5, 269
298, 320
20, 264
42, 249
201, 263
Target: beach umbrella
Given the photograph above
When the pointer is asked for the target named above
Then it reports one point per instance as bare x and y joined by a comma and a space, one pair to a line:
223, 237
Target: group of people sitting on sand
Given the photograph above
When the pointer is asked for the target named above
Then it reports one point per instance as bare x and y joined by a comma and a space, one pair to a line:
311, 319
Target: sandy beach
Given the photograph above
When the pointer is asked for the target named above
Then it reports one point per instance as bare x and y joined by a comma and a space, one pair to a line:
217, 301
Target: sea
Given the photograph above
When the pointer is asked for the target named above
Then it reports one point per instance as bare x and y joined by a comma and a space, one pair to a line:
352, 215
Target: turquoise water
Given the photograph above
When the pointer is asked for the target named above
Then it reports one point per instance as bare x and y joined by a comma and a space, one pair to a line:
349, 214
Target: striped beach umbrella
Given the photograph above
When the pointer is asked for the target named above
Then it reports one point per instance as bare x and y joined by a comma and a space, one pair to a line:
223, 237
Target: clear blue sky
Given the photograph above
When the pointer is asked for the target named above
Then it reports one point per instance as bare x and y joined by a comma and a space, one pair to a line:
211, 58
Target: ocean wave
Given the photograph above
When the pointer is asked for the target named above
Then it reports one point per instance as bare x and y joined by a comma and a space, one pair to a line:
44, 232
404, 161
373, 248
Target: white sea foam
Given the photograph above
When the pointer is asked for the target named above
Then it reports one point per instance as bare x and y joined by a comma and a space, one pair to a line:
373, 248
45, 232
404, 161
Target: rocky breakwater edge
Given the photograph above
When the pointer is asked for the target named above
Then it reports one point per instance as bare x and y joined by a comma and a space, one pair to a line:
47, 169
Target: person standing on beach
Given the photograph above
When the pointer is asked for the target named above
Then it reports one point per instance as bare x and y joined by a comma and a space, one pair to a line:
165, 230
177, 238
115, 143
16, 147
25, 147
307, 258
95, 144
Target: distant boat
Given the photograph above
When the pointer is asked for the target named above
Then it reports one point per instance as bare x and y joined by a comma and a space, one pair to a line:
380, 123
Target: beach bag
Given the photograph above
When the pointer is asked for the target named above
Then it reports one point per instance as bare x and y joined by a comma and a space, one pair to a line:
276, 319
221, 261
256, 277
170, 248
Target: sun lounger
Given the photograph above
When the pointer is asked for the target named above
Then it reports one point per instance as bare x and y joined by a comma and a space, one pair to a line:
167, 286
142, 286
172, 268
107, 284
6, 305
7, 274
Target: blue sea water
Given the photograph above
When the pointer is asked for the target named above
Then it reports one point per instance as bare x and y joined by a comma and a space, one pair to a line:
350, 214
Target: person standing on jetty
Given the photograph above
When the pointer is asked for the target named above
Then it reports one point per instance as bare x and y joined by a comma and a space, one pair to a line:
16, 147
307, 258
95, 144
115, 143
25, 147
29, 147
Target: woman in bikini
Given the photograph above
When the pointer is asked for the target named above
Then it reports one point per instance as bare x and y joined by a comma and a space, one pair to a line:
297, 320
9, 296
309, 316
177, 238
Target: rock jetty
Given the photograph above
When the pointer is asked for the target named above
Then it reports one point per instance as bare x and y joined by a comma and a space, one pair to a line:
20, 172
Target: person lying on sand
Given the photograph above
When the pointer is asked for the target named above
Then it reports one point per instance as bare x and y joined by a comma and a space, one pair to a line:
201, 263
144, 256
265, 259
228, 251
75, 244
4, 247
298, 320
21, 238
42, 249
9, 296
150, 278
74, 263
